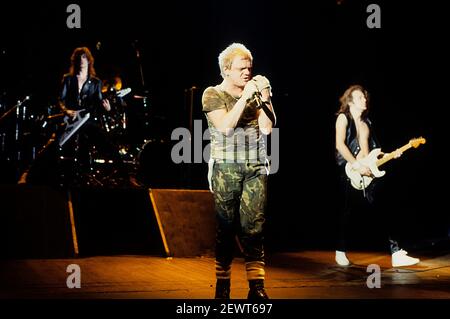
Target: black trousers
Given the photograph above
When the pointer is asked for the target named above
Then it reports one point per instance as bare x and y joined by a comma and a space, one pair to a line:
354, 202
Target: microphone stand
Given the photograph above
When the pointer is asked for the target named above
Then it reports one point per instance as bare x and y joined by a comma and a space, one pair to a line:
4, 115
191, 109
138, 57
14, 108
142, 80
189, 95
141, 70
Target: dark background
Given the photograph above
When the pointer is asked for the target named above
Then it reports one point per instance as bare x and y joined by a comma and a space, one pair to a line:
311, 52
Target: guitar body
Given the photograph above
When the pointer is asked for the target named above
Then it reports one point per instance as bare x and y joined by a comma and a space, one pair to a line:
359, 182
373, 162
72, 126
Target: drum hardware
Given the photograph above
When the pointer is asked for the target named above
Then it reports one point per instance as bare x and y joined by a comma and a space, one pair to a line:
3, 142
14, 108
29, 127
103, 161
115, 120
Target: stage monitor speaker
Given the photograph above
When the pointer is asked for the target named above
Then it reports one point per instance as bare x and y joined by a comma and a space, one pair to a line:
186, 220
115, 222
35, 223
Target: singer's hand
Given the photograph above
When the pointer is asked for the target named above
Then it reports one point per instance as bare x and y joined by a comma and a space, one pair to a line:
263, 85
249, 90
261, 82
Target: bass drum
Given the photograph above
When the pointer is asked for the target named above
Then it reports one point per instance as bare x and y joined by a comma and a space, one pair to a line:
155, 167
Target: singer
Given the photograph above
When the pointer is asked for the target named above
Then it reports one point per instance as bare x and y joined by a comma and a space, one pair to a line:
238, 168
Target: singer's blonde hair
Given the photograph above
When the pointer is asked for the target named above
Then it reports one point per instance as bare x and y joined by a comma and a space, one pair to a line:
227, 56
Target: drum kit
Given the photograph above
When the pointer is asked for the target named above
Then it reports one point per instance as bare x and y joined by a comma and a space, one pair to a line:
28, 133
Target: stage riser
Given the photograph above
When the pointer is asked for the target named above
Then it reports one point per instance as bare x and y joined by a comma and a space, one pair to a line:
37, 223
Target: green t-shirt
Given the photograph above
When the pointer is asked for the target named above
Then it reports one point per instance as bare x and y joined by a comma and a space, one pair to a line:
246, 143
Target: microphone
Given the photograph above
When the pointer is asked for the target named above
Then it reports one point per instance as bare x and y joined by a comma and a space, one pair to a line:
260, 104
258, 99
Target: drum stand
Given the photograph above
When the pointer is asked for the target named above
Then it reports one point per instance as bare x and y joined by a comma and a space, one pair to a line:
17, 133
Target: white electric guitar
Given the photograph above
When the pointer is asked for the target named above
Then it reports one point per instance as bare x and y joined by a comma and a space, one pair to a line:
373, 162
72, 125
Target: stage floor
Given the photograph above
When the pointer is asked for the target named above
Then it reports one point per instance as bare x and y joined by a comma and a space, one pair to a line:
293, 275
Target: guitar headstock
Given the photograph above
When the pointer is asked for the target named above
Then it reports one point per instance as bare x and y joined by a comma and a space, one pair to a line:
415, 142
123, 92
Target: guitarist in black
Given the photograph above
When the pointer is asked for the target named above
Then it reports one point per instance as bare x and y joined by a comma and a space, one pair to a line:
354, 140
82, 92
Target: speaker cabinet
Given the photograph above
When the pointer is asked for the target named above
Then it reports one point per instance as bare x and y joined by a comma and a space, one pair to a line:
35, 222
186, 220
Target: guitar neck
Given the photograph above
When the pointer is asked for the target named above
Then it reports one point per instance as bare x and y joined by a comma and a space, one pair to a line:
389, 156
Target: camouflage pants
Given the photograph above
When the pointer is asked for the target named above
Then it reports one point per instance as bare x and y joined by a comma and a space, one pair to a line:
240, 195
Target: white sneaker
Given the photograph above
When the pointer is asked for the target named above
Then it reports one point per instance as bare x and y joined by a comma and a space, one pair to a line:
341, 258
401, 258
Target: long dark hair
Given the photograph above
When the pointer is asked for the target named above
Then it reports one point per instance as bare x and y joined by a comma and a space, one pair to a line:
346, 98
75, 61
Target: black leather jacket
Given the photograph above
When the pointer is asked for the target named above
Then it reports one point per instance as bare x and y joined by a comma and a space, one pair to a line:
89, 98
352, 142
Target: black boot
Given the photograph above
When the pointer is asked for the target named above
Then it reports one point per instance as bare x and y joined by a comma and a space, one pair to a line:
257, 291
222, 289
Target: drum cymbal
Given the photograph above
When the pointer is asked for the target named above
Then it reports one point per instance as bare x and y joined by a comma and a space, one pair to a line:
114, 84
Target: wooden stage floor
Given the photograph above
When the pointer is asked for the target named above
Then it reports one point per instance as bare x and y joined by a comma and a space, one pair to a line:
293, 275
